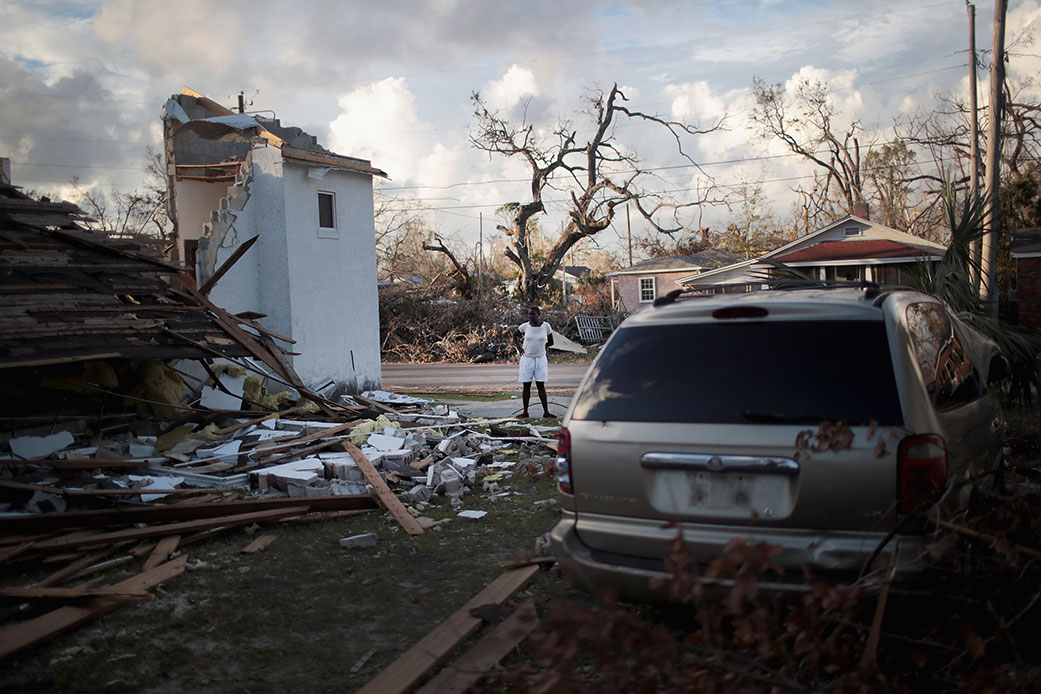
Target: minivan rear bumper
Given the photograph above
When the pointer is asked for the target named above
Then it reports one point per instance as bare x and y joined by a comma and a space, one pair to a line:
631, 576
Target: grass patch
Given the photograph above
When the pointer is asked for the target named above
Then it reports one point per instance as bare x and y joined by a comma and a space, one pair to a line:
299, 615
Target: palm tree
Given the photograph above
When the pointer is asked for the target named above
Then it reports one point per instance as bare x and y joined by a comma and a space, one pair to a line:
951, 281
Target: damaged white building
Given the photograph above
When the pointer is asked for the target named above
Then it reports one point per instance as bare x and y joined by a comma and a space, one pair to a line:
310, 275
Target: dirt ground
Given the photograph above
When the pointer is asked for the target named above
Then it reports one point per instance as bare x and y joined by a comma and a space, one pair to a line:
305, 614
301, 614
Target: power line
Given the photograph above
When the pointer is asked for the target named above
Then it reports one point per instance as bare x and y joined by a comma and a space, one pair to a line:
79, 166
78, 97
566, 201
622, 49
700, 165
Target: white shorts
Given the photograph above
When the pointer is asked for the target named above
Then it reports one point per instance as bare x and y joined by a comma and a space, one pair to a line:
533, 369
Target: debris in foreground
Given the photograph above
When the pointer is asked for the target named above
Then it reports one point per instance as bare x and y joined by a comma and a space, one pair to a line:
434, 649
141, 493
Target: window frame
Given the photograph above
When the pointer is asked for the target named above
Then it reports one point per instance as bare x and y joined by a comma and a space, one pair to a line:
653, 288
948, 374
328, 232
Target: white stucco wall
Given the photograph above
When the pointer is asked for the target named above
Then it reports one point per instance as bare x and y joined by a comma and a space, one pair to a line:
195, 199
332, 290
320, 291
258, 281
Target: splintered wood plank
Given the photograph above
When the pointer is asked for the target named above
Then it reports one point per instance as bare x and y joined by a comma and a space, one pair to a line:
87, 463
433, 649
163, 549
64, 574
463, 673
18, 637
142, 548
67, 594
284, 442
194, 500
102, 566
383, 493
170, 529
179, 512
314, 517
243, 425
11, 552
258, 544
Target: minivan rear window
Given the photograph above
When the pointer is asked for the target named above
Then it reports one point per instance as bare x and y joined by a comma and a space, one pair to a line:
762, 371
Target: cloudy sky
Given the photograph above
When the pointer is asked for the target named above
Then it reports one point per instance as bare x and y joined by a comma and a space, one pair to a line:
82, 82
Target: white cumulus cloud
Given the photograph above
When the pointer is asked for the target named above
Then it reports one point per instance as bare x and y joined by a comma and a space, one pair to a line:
381, 122
517, 85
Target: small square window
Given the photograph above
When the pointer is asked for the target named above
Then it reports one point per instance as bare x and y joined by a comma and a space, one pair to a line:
326, 211
646, 289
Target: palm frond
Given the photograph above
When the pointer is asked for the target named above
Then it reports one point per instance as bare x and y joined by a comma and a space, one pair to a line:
951, 281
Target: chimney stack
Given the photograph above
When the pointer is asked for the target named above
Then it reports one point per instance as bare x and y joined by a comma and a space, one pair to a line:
5, 171
860, 209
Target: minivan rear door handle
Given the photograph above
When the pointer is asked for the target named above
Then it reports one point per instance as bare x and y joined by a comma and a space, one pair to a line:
720, 463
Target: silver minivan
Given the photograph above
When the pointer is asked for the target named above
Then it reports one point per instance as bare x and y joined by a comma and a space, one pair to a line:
815, 420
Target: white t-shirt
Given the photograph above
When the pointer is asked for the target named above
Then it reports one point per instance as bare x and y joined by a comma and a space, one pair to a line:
535, 338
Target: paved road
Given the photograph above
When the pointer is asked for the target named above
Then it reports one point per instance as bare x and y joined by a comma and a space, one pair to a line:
474, 377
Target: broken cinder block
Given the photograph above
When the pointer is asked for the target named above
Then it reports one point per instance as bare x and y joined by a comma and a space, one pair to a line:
359, 541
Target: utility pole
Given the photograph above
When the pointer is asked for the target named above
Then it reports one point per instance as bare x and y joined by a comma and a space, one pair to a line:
242, 102
974, 145
989, 288
629, 229
480, 254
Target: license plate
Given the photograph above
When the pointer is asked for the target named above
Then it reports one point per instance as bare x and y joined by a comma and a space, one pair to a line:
722, 494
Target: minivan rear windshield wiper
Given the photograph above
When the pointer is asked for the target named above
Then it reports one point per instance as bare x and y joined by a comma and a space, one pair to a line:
752, 416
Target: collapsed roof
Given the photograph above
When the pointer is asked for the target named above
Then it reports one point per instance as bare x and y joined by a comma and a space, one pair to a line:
211, 140
67, 294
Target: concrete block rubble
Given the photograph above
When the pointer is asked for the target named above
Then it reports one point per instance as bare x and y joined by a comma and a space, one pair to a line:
83, 494
424, 450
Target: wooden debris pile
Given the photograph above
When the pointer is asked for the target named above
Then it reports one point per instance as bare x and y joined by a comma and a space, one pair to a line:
77, 502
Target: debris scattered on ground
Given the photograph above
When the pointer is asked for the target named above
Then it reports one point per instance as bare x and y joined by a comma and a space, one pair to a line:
84, 497
359, 541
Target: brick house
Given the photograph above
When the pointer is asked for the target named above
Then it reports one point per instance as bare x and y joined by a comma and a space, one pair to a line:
851, 248
1026, 251
638, 286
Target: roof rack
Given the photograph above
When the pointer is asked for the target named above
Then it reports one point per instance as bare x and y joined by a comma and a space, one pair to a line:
871, 289
671, 297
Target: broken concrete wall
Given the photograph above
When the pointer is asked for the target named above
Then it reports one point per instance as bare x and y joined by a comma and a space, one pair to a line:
192, 148
195, 202
219, 206
316, 285
255, 206
333, 291
294, 137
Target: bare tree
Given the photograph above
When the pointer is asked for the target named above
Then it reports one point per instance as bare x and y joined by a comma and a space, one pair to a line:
139, 214
598, 176
890, 170
804, 120
462, 278
400, 233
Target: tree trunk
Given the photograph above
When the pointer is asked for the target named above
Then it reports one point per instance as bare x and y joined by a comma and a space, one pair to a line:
989, 279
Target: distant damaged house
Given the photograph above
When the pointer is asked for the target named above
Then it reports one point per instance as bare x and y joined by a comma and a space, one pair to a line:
852, 248
1026, 252
310, 274
638, 286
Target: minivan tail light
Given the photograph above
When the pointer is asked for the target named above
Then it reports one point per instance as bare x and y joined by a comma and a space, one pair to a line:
922, 469
564, 462
740, 312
